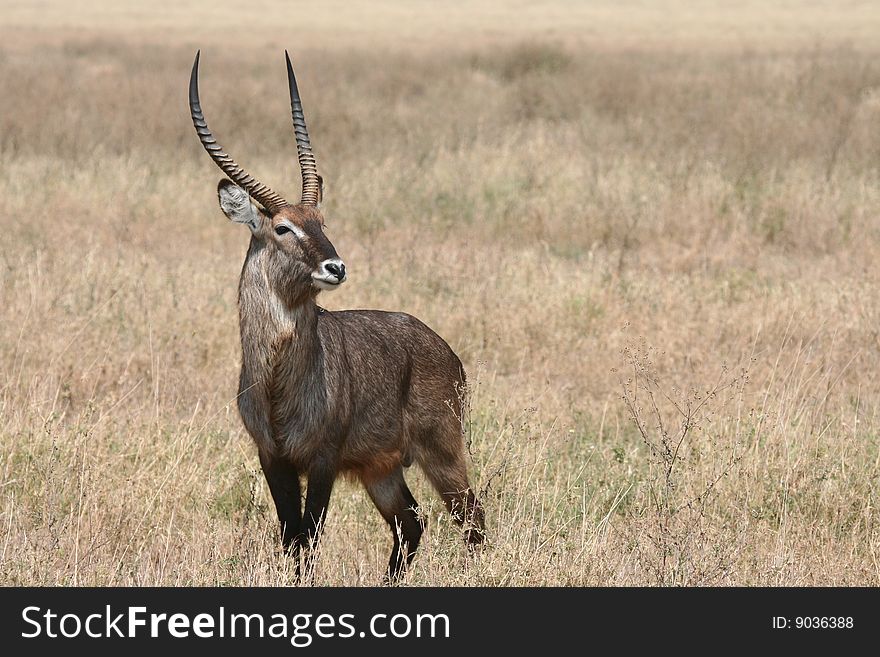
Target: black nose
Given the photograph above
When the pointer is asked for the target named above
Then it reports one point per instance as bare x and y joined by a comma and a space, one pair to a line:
337, 269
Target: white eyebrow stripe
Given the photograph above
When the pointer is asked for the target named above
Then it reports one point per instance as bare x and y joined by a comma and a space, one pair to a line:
295, 229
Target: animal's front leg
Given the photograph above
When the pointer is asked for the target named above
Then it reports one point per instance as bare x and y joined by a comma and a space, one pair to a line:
283, 480
320, 482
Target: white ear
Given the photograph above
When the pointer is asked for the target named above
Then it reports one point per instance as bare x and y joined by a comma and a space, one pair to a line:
237, 205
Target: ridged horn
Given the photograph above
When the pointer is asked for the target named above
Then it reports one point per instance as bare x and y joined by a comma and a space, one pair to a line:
257, 190
311, 191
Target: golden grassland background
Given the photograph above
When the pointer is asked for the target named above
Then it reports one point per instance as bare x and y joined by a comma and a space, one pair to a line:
650, 230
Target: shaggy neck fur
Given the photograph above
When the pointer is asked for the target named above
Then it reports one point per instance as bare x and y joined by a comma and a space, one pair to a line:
281, 355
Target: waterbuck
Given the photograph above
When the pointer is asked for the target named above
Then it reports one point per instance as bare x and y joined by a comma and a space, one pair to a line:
358, 392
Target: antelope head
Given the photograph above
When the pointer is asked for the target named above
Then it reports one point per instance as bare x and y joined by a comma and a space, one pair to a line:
299, 260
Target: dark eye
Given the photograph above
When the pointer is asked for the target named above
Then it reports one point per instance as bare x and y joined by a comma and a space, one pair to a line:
280, 230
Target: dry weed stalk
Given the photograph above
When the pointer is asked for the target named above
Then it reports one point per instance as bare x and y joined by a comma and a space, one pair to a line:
680, 535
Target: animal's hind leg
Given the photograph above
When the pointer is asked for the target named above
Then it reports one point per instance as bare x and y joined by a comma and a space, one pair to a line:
397, 505
465, 507
445, 467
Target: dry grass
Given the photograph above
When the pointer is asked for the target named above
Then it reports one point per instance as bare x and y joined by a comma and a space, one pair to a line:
658, 264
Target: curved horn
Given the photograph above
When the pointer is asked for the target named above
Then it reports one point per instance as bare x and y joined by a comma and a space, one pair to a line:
257, 190
311, 192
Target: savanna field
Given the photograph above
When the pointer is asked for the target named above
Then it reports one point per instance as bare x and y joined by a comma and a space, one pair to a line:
651, 231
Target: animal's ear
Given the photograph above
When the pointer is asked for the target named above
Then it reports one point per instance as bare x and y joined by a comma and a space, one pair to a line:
320, 189
237, 205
